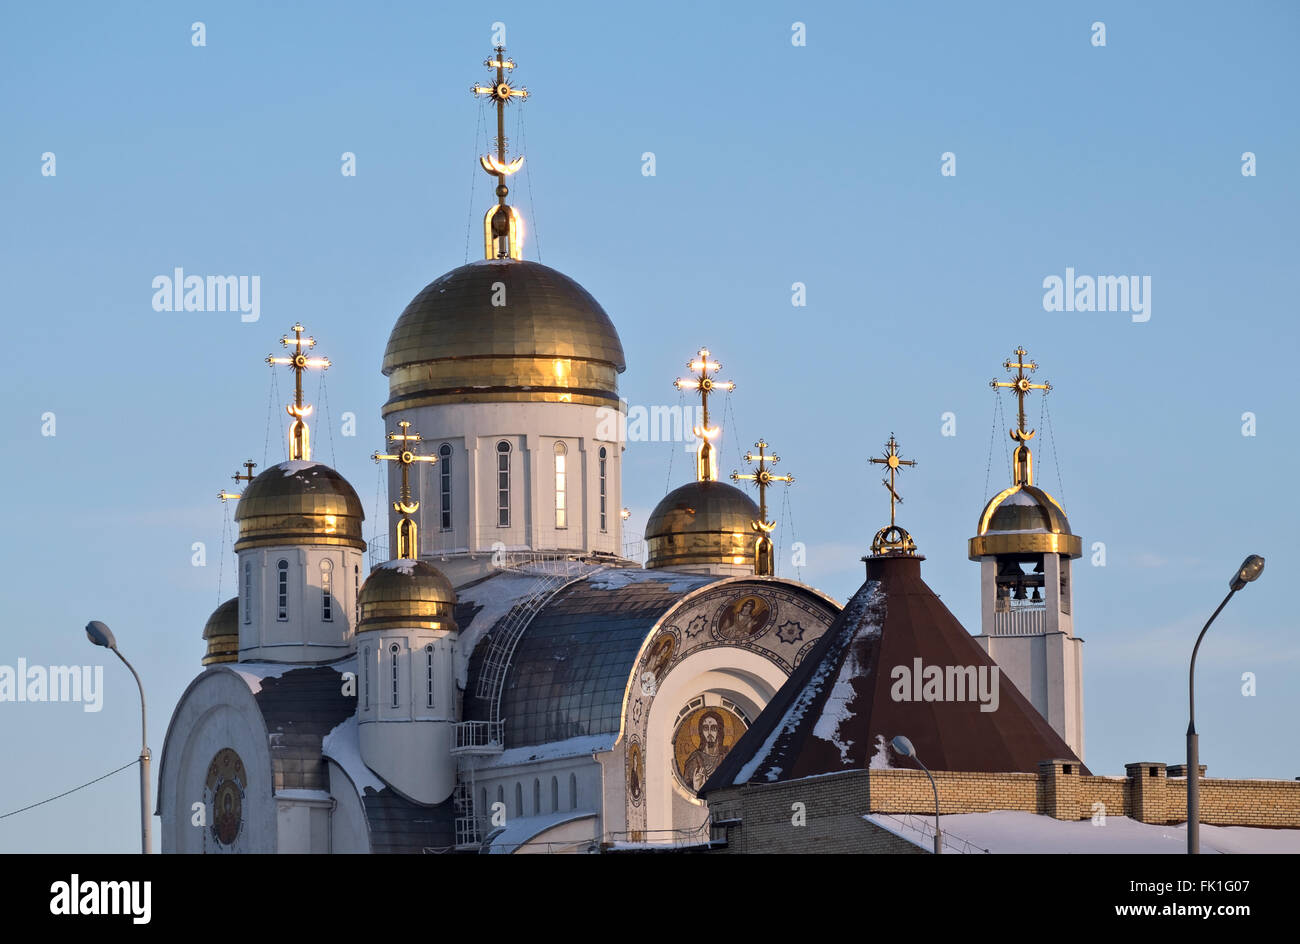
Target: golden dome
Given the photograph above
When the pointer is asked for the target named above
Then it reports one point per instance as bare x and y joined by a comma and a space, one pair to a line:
1024, 519
299, 502
549, 340
222, 633
407, 594
702, 523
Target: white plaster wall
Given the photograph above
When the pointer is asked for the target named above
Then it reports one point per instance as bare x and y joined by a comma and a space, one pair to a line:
305, 637
350, 832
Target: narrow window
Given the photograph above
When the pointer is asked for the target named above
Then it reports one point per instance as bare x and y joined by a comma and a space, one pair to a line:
501, 796
561, 485
537, 796
573, 791
283, 569
393, 659
356, 590
484, 811
444, 480
248, 592
428, 674
555, 794
503, 484
365, 678
519, 799
604, 489
327, 590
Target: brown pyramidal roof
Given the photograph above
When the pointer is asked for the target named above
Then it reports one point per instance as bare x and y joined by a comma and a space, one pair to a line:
871, 677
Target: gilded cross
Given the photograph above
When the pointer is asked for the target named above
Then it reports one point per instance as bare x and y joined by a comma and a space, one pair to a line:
299, 439
894, 462
502, 227
763, 477
1020, 385
250, 465
406, 440
706, 465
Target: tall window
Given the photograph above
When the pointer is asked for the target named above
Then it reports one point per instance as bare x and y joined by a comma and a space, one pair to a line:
444, 473
248, 592
537, 796
428, 675
282, 568
561, 485
327, 590
555, 795
573, 791
519, 799
365, 678
503, 484
356, 591
392, 658
604, 489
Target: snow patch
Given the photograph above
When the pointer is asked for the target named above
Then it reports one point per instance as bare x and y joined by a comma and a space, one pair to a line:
618, 578
403, 565
880, 759
294, 466
836, 712
343, 746
583, 746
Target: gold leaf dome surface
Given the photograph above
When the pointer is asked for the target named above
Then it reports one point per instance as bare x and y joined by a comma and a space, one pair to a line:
222, 633
1024, 519
407, 594
299, 502
502, 330
702, 523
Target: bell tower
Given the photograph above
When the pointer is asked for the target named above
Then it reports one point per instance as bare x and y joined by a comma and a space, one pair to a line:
1024, 546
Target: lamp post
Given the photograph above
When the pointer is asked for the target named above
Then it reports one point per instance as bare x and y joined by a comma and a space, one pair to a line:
1249, 571
904, 747
101, 635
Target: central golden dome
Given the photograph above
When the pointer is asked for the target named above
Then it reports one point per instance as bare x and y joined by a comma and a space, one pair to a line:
1024, 519
299, 502
702, 523
406, 594
502, 330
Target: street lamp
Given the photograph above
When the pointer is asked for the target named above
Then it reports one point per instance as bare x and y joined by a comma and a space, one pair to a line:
904, 747
101, 635
1249, 571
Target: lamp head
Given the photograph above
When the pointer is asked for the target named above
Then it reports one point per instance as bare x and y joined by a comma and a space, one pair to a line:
100, 635
903, 746
1248, 572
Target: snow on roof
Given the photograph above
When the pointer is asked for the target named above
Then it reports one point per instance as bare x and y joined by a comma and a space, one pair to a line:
402, 565
294, 466
1014, 832
794, 714
254, 672
519, 830
617, 578
835, 712
343, 746
555, 750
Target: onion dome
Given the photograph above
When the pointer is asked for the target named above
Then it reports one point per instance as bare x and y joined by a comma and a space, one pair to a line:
503, 330
407, 594
299, 502
702, 522
1024, 519
222, 633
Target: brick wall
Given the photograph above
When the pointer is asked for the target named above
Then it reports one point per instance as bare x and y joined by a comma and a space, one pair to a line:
824, 814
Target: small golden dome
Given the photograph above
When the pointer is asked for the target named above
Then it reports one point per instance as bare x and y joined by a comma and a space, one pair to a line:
702, 523
407, 594
299, 502
222, 633
502, 330
1024, 519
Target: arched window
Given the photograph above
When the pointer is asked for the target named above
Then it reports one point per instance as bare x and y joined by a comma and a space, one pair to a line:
444, 483
555, 794
282, 568
561, 485
327, 590
519, 799
604, 489
356, 590
483, 810
537, 796
503, 484
428, 675
573, 791
501, 795
248, 592
365, 678
392, 653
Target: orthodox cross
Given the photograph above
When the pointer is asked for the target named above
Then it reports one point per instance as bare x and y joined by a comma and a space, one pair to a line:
502, 227
706, 466
299, 439
407, 547
250, 465
1020, 384
892, 460
763, 478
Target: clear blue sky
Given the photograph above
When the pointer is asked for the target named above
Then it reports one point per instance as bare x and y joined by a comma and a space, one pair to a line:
775, 164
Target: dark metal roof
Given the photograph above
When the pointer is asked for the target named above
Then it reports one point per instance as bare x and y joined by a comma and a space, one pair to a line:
399, 826
836, 712
570, 669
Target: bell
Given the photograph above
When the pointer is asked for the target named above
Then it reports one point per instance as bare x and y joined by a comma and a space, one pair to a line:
1037, 597
1020, 592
